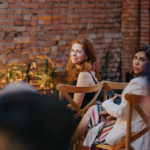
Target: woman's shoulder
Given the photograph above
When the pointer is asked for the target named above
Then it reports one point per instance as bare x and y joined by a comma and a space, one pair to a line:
85, 77
87, 74
84, 74
142, 80
138, 86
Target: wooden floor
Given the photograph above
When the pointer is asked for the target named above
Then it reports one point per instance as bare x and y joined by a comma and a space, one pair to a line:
80, 145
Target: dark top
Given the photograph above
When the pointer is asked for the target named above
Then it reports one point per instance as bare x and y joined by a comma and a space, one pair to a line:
88, 96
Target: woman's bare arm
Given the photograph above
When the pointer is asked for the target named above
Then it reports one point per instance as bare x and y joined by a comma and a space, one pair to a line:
84, 79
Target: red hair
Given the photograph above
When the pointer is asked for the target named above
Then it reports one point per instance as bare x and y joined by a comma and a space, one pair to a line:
86, 65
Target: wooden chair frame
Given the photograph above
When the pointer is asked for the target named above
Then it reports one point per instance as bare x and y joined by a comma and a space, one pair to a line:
108, 85
133, 101
65, 89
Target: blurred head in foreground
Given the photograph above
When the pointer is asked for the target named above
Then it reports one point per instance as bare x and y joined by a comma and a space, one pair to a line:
18, 88
29, 121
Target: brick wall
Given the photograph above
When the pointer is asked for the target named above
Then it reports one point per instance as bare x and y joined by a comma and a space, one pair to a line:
130, 31
33, 30
144, 38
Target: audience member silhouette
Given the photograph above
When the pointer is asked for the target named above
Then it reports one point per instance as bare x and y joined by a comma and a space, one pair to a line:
29, 121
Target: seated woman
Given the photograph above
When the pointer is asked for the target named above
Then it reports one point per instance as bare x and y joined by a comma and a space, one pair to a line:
82, 69
147, 98
117, 131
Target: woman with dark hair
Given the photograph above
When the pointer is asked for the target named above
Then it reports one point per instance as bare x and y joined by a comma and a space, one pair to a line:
117, 130
82, 69
142, 50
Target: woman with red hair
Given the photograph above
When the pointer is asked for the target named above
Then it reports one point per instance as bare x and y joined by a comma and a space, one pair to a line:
82, 69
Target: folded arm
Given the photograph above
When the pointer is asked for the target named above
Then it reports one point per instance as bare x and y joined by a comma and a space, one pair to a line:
120, 111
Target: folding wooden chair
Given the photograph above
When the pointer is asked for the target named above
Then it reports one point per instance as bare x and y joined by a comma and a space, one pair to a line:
133, 100
65, 89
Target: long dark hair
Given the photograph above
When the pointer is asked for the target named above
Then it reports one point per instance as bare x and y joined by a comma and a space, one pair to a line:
145, 49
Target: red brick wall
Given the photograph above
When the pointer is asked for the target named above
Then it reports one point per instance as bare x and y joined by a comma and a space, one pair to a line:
32, 30
130, 31
144, 38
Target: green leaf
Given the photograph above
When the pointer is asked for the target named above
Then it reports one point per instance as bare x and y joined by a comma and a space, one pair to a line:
10, 74
19, 68
53, 73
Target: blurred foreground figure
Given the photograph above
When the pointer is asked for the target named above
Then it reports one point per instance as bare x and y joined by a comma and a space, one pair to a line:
147, 98
29, 121
148, 73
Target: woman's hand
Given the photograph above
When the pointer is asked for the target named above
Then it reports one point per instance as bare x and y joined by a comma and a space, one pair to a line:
120, 96
116, 95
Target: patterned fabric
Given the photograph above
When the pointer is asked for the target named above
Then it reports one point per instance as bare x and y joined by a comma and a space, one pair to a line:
97, 129
104, 130
95, 117
92, 133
